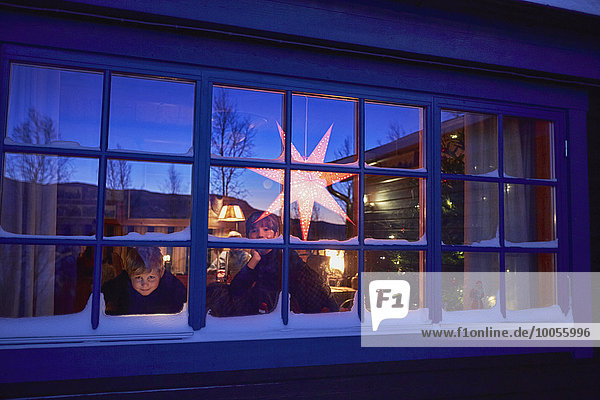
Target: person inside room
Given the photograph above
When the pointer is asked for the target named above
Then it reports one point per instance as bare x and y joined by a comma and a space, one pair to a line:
144, 286
256, 287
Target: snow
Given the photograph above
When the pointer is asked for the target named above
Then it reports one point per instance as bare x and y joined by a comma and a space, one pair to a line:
5, 234
552, 244
493, 314
533, 179
295, 240
77, 327
154, 236
277, 240
493, 242
132, 151
546, 314
279, 159
421, 241
63, 144
491, 174
370, 167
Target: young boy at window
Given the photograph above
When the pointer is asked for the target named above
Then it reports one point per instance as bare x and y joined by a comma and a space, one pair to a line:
256, 287
144, 287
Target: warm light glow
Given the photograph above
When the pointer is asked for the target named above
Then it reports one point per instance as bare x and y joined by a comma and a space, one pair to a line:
336, 259
307, 187
231, 213
166, 258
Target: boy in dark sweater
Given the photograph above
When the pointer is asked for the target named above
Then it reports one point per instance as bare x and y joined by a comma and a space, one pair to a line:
145, 287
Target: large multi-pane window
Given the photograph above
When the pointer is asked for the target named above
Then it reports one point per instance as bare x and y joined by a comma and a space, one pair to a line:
304, 191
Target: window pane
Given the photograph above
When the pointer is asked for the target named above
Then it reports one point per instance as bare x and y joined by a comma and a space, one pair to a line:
400, 262
144, 280
528, 149
529, 213
151, 115
393, 136
394, 207
50, 106
530, 280
38, 280
247, 123
469, 143
49, 195
146, 197
322, 280
237, 194
323, 205
248, 291
470, 280
469, 212
323, 129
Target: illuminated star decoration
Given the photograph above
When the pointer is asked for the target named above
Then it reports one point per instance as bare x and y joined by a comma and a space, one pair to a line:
307, 187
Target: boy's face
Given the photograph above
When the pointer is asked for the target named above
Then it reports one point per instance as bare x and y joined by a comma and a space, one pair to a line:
147, 282
262, 232
259, 231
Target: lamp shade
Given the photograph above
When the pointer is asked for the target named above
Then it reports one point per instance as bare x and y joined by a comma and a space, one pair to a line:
231, 213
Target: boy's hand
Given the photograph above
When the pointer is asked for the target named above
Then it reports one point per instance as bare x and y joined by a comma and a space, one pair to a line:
254, 260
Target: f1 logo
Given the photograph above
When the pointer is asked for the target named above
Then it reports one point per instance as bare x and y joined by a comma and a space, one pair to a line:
389, 299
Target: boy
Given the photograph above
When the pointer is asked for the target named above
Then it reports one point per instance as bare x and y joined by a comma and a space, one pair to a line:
144, 287
256, 287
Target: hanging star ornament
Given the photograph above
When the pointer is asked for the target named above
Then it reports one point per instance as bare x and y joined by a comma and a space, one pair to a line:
307, 187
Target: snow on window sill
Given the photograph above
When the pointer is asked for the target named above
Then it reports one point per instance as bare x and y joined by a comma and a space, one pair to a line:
5, 234
154, 236
551, 244
422, 241
217, 239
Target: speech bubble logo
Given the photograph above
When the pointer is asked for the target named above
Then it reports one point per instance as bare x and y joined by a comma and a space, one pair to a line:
389, 300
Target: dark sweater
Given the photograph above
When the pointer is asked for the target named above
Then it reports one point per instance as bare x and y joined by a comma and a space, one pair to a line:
261, 286
121, 298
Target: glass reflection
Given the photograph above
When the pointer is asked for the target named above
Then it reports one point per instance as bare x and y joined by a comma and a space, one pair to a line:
529, 213
38, 280
49, 106
154, 115
49, 195
394, 207
528, 150
238, 193
146, 197
246, 123
470, 212
469, 143
393, 136
530, 280
467, 280
144, 280
323, 205
323, 129
408, 265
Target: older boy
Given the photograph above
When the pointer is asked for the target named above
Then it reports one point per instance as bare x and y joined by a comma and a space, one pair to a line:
145, 287
256, 287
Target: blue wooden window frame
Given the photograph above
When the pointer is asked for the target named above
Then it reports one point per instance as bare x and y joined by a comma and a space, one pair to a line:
198, 244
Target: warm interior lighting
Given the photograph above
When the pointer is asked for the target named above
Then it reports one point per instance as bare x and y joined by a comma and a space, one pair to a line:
336, 259
166, 258
231, 213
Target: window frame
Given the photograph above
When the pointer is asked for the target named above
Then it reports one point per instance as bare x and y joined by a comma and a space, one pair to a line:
199, 244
